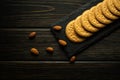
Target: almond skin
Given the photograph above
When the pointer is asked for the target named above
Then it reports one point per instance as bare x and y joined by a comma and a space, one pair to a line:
50, 49
62, 42
34, 51
57, 28
32, 35
72, 59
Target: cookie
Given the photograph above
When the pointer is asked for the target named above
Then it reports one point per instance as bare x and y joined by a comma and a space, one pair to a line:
79, 28
117, 4
86, 24
106, 12
70, 33
99, 15
112, 8
93, 20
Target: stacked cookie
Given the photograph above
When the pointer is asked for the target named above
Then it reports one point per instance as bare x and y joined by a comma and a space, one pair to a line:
92, 20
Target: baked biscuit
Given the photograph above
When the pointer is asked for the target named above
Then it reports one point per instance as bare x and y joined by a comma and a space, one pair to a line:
112, 8
106, 11
117, 4
93, 20
79, 28
70, 33
99, 16
86, 24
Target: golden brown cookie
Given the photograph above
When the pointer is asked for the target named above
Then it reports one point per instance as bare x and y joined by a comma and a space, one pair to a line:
107, 12
117, 4
93, 20
70, 33
86, 24
79, 28
112, 8
99, 15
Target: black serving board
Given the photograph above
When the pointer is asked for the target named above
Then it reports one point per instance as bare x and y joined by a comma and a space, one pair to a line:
76, 48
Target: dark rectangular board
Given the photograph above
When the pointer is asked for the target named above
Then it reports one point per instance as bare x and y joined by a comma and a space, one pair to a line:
73, 48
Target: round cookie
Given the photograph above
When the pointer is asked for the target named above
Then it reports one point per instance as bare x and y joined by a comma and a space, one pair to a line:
99, 16
106, 11
86, 24
79, 28
112, 8
93, 20
117, 4
70, 33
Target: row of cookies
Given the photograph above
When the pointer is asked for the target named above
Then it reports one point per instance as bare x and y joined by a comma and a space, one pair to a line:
92, 20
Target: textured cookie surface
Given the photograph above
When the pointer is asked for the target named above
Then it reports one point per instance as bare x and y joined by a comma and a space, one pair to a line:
93, 20
86, 24
106, 12
79, 28
99, 15
112, 8
117, 4
70, 33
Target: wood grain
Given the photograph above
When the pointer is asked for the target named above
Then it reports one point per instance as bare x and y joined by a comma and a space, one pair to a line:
15, 45
83, 71
20, 17
36, 13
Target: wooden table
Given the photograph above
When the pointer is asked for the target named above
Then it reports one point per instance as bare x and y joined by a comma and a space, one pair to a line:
20, 17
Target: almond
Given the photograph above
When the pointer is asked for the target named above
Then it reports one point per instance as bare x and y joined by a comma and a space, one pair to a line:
62, 42
32, 35
34, 51
57, 28
50, 49
72, 59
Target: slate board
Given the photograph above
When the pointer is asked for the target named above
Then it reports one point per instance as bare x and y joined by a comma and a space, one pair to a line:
76, 48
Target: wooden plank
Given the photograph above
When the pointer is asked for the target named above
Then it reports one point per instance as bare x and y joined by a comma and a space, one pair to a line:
20, 17
36, 13
32, 70
15, 45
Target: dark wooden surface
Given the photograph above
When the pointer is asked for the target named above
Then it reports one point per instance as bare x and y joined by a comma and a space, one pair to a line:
20, 17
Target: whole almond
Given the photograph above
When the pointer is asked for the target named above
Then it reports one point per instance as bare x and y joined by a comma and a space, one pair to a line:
72, 59
32, 35
62, 42
50, 49
34, 51
57, 28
